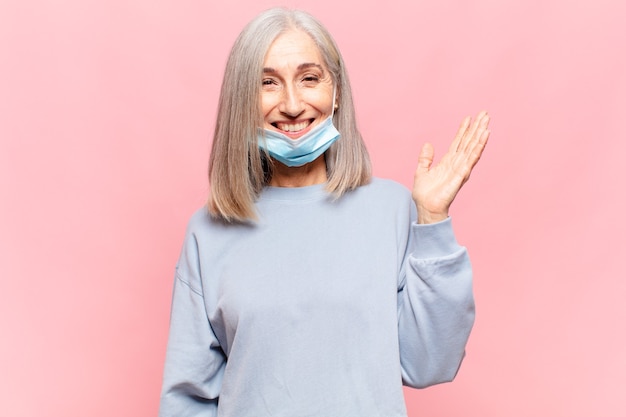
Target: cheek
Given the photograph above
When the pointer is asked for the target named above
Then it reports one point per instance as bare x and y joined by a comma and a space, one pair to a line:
321, 100
268, 103
327, 99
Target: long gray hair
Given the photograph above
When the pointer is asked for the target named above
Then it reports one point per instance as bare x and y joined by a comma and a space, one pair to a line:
238, 169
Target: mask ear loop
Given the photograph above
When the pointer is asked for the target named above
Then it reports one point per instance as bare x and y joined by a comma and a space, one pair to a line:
335, 104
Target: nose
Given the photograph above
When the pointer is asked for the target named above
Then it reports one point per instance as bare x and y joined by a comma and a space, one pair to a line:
291, 103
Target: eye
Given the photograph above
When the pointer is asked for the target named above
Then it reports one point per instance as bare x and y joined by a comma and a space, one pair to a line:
310, 79
270, 84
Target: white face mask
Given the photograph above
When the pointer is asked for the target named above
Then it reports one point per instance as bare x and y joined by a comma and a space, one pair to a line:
305, 149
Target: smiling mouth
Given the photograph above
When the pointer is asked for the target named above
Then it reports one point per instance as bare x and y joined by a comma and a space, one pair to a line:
293, 126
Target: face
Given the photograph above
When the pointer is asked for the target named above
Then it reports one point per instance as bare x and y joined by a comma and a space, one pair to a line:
297, 92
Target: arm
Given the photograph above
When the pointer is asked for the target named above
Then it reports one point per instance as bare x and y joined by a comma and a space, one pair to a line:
195, 362
435, 301
435, 305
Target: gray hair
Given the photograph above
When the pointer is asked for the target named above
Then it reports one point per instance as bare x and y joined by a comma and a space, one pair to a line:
238, 169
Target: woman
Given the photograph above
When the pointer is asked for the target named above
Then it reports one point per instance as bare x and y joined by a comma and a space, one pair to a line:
307, 288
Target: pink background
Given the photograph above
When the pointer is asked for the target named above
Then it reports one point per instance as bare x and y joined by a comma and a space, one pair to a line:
106, 109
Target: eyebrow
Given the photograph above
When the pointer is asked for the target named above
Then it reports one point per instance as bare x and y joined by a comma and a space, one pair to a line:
300, 67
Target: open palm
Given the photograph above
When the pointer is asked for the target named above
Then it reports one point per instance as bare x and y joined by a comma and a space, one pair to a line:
435, 187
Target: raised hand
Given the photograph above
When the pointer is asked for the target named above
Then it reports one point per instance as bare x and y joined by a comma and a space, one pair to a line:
435, 187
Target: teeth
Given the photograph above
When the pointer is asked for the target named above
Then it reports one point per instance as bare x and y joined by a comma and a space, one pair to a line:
292, 127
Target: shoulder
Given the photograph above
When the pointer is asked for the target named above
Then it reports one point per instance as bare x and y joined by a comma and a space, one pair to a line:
381, 197
389, 185
202, 226
207, 237
386, 188
200, 222
200, 218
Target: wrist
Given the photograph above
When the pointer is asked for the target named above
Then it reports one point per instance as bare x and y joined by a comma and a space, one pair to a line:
428, 217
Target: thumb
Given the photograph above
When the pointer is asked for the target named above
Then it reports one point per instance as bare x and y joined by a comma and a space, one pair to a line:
425, 159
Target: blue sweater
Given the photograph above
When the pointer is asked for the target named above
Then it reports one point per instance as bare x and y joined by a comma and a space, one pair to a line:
321, 308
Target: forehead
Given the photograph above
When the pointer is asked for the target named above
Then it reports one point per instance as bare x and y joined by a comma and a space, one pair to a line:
293, 47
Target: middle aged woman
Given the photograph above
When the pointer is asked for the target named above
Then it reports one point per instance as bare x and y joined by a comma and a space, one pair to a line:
307, 288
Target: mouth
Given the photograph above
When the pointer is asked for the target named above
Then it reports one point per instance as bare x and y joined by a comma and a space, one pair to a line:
295, 128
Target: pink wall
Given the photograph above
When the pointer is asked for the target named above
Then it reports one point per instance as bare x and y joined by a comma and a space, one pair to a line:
106, 109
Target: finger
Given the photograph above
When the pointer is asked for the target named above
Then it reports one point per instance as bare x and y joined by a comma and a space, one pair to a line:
474, 132
477, 149
479, 122
425, 159
454, 146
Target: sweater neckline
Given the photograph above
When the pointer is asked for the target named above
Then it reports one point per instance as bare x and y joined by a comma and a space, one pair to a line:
306, 193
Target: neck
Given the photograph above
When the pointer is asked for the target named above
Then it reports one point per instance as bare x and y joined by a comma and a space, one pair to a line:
307, 174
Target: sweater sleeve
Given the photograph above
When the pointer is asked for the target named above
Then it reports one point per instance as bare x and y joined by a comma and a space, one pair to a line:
435, 305
194, 362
